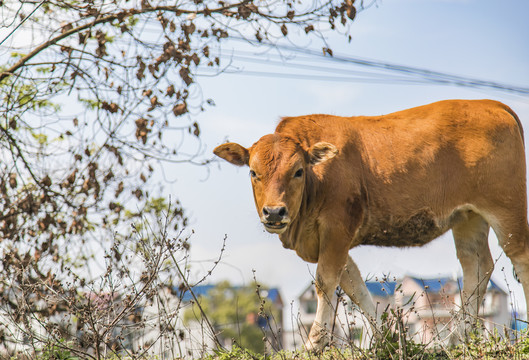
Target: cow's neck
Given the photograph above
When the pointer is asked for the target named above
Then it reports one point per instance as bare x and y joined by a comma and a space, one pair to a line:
302, 233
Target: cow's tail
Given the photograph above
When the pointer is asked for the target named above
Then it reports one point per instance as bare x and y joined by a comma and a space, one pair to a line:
513, 114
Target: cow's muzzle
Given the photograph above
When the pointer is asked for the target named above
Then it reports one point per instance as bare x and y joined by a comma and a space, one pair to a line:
275, 218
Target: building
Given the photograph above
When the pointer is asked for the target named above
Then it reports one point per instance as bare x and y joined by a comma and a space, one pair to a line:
167, 325
428, 309
193, 335
431, 307
31, 322
349, 326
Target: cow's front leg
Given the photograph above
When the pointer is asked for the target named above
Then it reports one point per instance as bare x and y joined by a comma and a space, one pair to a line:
331, 263
327, 277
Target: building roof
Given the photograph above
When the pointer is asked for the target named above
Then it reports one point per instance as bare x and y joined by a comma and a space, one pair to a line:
432, 285
387, 288
381, 288
437, 285
274, 295
199, 290
271, 294
495, 287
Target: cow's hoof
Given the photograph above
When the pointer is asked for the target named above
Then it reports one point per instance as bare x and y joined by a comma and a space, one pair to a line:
318, 339
316, 345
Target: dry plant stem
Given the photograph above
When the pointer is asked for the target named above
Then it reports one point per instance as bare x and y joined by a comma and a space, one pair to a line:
188, 287
137, 296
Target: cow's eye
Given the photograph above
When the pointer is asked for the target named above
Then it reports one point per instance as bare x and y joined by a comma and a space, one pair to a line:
253, 174
298, 173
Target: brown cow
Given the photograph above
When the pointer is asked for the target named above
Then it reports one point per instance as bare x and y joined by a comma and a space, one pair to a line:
326, 184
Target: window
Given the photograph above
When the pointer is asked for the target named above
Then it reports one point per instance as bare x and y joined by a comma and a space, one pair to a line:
311, 306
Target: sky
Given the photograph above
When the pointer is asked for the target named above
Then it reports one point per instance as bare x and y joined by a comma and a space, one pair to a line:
475, 38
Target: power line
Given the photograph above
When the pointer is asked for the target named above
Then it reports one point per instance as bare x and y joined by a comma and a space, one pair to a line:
325, 69
406, 74
420, 75
305, 76
22, 22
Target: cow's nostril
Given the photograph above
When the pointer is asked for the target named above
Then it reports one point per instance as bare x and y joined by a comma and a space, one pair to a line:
274, 213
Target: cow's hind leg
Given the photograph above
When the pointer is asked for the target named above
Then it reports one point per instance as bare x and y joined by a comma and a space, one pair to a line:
354, 286
513, 236
471, 240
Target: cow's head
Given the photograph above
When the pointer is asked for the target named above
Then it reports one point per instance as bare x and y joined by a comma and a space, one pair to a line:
278, 169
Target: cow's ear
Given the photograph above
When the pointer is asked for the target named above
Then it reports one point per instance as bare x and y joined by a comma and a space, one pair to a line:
321, 152
234, 153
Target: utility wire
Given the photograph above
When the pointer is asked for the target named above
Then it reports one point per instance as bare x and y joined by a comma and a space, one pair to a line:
407, 74
431, 75
304, 76
421, 75
22, 22
326, 69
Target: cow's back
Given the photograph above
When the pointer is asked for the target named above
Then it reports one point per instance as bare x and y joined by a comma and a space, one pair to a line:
466, 132
408, 172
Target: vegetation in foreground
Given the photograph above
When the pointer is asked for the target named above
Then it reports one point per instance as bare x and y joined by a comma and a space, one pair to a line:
477, 347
